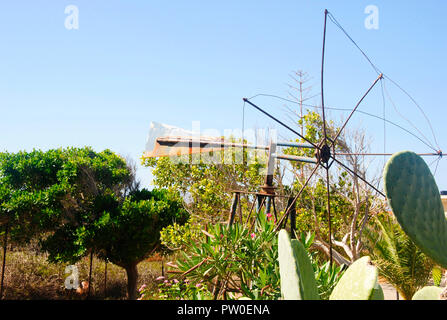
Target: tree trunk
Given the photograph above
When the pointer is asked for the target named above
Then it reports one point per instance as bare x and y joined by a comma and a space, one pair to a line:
132, 277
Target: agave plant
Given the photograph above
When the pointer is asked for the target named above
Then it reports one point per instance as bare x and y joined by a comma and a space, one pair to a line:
397, 257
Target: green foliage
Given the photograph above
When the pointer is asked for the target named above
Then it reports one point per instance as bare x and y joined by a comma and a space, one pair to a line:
358, 282
173, 289
177, 237
397, 257
244, 260
39, 190
124, 233
312, 207
129, 234
30, 193
207, 188
209, 185
84, 202
414, 197
327, 276
312, 204
436, 273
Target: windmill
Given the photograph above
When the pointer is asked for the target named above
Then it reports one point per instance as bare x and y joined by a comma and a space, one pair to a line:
325, 154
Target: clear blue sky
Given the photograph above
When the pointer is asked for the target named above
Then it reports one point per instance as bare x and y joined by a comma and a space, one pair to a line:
132, 62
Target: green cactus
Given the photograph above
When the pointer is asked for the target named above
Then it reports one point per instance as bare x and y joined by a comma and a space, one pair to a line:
428, 293
359, 282
377, 293
296, 272
297, 277
415, 200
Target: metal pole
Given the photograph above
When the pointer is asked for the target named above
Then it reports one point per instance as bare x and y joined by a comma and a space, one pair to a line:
329, 215
4, 259
322, 76
90, 274
358, 176
292, 217
233, 208
383, 154
105, 279
296, 197
268, 204
281, 123
356, 106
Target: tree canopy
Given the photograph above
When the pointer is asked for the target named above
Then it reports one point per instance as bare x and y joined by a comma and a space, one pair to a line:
78, 201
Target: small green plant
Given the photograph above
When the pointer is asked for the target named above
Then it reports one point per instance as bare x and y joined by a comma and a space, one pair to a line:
176, 236
436, 273
235, 259
176, 289
327, 276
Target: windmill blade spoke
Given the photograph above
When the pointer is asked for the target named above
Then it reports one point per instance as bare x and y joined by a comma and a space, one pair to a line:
358, 176
380, 154
329, 214
280, 122
356, 106
296, 197
322, 77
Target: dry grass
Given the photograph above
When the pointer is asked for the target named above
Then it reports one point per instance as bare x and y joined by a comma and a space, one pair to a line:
29, 276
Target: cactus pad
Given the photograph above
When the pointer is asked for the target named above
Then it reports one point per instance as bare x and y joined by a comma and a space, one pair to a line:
428, 293
296, 272
358, 282
414, 198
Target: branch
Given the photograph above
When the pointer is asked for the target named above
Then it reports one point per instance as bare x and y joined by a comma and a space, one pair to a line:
324, 247
345, 247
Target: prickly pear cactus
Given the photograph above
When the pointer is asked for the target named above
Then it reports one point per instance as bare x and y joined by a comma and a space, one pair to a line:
414, 197
428, 293
359, 282
295, 269
377, 293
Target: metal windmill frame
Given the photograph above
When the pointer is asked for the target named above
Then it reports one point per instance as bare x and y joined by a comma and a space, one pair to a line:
325, 156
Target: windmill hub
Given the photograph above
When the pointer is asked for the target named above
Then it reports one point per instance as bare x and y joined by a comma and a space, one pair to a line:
323, 154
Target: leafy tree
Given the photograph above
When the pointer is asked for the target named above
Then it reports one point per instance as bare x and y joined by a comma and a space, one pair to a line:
83, 201
31, 192
208, 187
43, 190
124, 232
